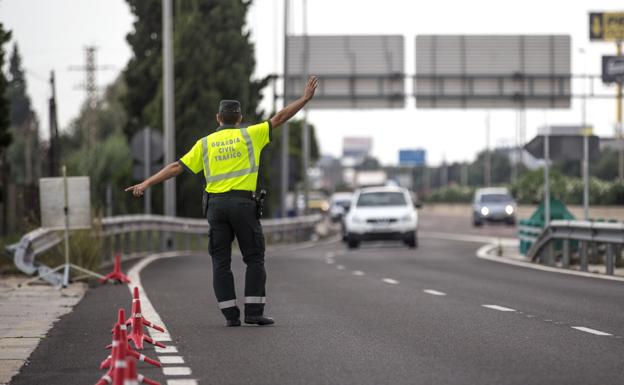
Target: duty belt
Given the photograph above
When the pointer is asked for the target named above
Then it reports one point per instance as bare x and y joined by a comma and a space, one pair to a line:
233, 193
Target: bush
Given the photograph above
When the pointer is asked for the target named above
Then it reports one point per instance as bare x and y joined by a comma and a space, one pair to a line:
451, 194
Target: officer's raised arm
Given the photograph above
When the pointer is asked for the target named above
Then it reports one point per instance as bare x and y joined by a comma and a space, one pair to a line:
169, 171
290, 110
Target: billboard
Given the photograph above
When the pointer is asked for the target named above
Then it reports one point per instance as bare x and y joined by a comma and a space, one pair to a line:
357, 146
606, 26
493, 71
354, 71
417, 157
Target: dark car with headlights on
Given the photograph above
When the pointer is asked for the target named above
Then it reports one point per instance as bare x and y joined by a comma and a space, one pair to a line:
493, 205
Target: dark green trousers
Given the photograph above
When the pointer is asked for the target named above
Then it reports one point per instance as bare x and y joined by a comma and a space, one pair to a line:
231, 217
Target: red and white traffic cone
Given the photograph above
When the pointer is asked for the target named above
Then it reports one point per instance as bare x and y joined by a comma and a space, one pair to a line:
114, 357
137, 322
116, 275
128, 351
132, 378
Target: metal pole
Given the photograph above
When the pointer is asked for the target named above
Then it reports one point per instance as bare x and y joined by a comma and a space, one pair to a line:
306, 128
620, 139
487, 172
66, 212
546, 180
147, 155
285, 144
168, 105
586, 133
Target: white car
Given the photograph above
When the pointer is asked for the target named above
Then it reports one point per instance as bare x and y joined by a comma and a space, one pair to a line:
382, 213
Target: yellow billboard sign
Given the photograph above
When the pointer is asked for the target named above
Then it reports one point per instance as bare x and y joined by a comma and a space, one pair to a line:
606, 26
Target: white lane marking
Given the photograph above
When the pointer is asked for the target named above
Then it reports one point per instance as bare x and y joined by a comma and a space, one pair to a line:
390, 281
591, 331
359, 273
330, 261
330, 254
167, 350
181, 382
485, 250
171, 359
340, 267
468, 238
434, 292
176, 371
499, 308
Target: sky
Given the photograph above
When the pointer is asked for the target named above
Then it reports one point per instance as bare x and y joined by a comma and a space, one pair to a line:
52, 36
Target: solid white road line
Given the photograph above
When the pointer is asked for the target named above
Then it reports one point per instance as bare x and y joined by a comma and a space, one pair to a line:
171, 359
340, 267
499, 308
181, 382
390, 281
591, 331
468, 238
176, 371
434, 292
484, 252
359, 273
168, 350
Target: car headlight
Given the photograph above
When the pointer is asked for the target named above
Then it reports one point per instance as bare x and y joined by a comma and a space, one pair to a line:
509, 209
406, 218
356, 219
485, 211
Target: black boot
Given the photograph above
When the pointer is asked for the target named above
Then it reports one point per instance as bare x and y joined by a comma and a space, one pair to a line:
259, 320
232, 322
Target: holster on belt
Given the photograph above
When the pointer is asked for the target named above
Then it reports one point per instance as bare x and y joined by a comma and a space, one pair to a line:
205, 197
259, 198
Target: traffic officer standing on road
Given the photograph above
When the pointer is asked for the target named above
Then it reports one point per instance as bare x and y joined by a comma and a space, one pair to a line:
230, 158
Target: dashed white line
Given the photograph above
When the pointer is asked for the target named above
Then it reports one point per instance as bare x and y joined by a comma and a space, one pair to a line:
171, 359
359, 273
330, 254
434, 292
390, 281
340, 267
181, 382
591, 331
499, 308
176, 371
167, 350
330, 261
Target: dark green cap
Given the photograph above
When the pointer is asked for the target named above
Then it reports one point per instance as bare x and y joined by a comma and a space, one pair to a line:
230, 106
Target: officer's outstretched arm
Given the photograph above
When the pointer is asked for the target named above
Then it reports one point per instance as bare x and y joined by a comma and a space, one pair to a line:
290, 110
169, 171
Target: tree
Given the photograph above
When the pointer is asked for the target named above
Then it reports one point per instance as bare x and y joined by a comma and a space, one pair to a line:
213, 60
5, 135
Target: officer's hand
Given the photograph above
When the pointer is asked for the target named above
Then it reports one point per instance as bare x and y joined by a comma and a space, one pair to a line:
137, 189
310, 87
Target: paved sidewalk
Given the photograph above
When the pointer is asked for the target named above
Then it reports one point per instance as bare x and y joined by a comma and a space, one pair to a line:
26, 315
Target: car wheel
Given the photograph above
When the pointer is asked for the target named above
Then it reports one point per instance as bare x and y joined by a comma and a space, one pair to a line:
477, 223
511, 222
352, 243
412, 241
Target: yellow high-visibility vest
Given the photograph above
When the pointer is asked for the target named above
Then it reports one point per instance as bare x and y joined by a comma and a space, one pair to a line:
230, 157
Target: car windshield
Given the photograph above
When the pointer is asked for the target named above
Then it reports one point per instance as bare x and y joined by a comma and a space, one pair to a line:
381, 199
496, 198
343, 203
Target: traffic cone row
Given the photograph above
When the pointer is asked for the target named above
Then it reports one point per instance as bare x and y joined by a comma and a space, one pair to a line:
121, 363
116, 275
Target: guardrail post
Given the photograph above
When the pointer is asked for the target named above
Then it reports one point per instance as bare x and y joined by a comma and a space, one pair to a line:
149, 241
584, 263
565, 258
138, 236
117, 243
610, 259
162, 241
126, 244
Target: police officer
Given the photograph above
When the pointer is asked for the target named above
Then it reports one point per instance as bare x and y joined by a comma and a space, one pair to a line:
229, 159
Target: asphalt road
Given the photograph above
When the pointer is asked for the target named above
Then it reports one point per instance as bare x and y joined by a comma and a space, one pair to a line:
381, 314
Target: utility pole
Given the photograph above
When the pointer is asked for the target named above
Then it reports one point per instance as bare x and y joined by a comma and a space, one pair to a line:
619, 127
284, 162
586, 133
487, 167
52, 153
168, 106
306, 128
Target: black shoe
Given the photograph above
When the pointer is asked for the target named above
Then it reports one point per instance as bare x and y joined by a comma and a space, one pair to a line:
258, 320
233, 322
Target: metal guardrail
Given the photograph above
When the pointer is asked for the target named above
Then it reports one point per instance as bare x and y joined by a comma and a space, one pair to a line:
600, 241
132, 234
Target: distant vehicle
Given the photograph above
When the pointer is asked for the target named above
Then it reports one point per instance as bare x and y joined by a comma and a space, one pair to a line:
382, 213
493, 205
339, 204
317, 202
